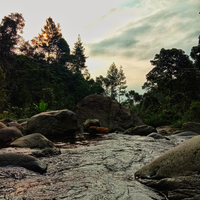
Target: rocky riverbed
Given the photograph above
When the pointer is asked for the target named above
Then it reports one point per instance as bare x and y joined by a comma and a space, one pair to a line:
100, 169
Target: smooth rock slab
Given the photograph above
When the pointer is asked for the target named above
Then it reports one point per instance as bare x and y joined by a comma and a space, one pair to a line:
35, 140
21, 160
103, 170
176, 172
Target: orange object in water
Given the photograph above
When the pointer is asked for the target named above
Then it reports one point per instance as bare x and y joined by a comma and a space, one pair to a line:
96, 129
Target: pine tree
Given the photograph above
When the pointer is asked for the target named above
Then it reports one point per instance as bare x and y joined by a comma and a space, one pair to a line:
121, 83
112, 80
47, 41
114, 83
79, 57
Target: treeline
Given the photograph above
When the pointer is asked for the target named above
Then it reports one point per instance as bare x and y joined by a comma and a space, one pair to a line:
172, 89
46, 74
43, 70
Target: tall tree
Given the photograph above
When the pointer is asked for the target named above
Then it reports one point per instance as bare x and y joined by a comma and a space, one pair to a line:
112, 80
195, 54
63, 52
171, 68
78, 57
10, 29
132, 97
121, 83
47, 41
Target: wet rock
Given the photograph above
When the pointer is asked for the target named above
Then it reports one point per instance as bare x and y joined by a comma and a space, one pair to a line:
35, 140
109, 112
143, 130
103, 170
176, 172
157, 136
167, 130
9, 134
26, 161
53, 123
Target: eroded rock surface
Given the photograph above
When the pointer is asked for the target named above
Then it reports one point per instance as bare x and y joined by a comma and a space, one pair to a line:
103, 170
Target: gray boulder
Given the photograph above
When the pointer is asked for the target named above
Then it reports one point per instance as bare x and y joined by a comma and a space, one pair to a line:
9, 134
17, 125
157, 136
109, 112
53, 123
176, 172
143, 130
21, 160
191, 126
187, 133
167, 130
35, 140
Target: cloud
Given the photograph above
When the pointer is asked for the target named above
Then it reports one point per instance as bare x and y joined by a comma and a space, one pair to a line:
110, 12
171, 27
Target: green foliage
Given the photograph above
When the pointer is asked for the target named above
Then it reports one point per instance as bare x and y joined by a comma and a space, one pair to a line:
114, 83
172, 89
195, 54
49, 41
46, 69
42, 106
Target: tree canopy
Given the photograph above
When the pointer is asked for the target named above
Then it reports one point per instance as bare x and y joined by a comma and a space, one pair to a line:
46, 72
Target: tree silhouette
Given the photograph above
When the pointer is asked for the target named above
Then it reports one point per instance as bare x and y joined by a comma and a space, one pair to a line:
47, 42
10, 29
78, 57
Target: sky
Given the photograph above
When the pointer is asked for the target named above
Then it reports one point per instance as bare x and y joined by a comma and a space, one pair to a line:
126, 32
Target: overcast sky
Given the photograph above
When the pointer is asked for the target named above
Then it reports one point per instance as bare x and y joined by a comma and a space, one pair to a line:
127, 32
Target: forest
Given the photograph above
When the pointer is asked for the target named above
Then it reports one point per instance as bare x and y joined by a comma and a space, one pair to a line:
45, 74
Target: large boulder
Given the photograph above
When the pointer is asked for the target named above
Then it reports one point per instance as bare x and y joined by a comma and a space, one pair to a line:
21, 160
35, 140
110, 113
53, 123
176, 172
9, 134
143, 130
191, 126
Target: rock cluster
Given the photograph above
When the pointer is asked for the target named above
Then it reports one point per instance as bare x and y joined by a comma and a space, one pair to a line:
117, 167
109, 112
